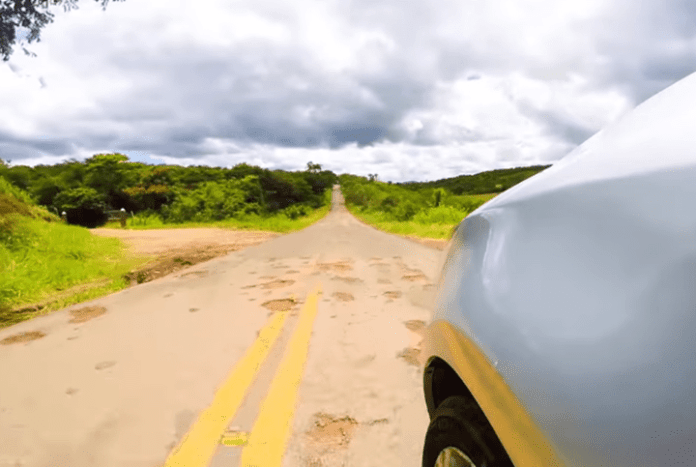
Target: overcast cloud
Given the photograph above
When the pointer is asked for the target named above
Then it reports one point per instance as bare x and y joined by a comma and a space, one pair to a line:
409, 90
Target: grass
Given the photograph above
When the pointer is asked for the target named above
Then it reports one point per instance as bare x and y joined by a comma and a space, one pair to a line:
56, 265
278, 223
437, 223
411, 228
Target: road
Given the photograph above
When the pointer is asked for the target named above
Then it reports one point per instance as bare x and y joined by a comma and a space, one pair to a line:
300, 351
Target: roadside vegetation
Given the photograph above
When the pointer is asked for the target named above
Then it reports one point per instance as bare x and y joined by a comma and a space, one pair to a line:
87, 191
428, 210
42, 258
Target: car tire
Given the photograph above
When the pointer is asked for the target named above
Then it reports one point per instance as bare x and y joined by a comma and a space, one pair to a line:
460, 436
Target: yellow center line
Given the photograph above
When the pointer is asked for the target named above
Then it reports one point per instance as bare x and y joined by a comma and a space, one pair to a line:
198, 446
268, 438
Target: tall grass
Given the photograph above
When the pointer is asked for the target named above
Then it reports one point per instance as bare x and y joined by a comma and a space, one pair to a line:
276, 223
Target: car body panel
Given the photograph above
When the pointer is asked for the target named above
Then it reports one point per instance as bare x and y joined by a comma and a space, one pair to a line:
579, 287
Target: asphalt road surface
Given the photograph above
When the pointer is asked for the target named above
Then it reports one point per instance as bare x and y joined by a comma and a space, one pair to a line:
301, 351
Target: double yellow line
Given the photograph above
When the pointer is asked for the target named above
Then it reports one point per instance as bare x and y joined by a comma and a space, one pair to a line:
268, 438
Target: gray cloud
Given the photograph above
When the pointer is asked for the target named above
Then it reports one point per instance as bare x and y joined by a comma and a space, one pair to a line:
559, 125
172, 96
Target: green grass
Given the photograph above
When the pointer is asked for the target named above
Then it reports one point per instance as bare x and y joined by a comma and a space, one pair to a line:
416, 229
56, 265
278, 223
437, 223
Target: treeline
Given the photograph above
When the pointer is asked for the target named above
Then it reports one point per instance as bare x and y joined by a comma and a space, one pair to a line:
399, 203
87, 190
493, 181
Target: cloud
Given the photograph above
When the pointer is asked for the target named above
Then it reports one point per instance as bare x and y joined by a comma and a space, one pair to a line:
391, 87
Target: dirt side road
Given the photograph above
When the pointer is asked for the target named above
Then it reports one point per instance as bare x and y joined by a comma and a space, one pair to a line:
175, 249
151, 372
169, 242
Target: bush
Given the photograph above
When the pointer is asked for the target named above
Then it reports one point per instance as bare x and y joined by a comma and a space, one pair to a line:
210, 201
440, 215
296, 211
405, 211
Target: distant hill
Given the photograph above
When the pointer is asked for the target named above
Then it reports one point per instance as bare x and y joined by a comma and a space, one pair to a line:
493, 181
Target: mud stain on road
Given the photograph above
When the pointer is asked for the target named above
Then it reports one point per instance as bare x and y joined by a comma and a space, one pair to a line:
22, 337
343, 296
82, 315
194, 273
104, 365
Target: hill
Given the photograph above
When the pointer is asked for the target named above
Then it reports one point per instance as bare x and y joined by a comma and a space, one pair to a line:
492, 181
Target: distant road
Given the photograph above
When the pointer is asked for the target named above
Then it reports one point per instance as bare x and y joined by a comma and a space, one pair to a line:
204, 367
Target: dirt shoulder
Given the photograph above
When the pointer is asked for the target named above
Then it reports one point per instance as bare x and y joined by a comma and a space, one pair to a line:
174, 249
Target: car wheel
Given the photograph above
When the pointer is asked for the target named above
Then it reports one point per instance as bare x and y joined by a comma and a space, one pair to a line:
460, 436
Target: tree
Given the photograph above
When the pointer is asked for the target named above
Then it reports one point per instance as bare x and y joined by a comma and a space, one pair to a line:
28, 17
109, 174
313, 168
438, 195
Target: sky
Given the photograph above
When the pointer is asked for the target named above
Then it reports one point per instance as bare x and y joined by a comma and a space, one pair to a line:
408, 90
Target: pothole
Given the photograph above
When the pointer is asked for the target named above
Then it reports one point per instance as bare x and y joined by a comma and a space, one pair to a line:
343, 296
330, 433
410, 355
85, 314
282, 304
278, 283
349, 280
22, 337
340, 266
414, 276
415, 325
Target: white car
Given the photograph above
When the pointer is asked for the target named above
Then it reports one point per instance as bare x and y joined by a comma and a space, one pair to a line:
564, 332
